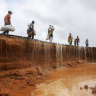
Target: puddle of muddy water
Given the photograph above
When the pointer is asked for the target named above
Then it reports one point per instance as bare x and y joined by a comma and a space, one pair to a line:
63, 87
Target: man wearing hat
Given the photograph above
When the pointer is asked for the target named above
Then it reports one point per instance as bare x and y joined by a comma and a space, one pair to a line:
7, 21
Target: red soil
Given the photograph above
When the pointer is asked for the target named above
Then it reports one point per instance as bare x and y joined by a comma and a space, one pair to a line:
23, 82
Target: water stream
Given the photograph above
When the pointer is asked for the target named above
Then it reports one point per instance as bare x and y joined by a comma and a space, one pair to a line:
59, 56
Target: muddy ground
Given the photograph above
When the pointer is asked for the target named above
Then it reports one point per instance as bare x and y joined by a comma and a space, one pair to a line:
79, 80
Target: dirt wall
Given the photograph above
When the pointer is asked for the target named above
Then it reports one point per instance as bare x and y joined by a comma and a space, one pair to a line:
19, 52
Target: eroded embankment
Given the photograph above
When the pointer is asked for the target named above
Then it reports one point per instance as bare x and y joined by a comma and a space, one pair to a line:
25, 63
18, 52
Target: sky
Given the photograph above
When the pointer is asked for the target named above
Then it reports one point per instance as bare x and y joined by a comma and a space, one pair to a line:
67, 16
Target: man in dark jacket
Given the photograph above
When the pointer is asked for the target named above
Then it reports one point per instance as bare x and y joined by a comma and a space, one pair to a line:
30, 30
77, 41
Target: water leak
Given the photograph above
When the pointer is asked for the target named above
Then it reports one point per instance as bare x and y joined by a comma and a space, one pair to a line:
59, 56
47, 53
85, 54
92, 54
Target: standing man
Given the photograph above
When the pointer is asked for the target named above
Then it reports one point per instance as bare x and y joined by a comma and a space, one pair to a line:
49, 30
87, 43
77, 41
30, 30
51, 34
7, 21
70, 39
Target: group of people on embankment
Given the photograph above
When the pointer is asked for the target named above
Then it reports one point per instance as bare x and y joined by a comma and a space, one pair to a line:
31, 31
76, 40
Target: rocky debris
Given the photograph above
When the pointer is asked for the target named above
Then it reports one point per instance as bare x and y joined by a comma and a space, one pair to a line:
30, 83
86, 87
14, 74
91, 88
69, 65
16, 80
17, 77
54, 67
30, 72
39, 71
4, 95
81, 88
94, 90
23, 87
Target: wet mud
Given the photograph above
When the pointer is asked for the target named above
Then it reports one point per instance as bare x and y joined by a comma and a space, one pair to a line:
79, 81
